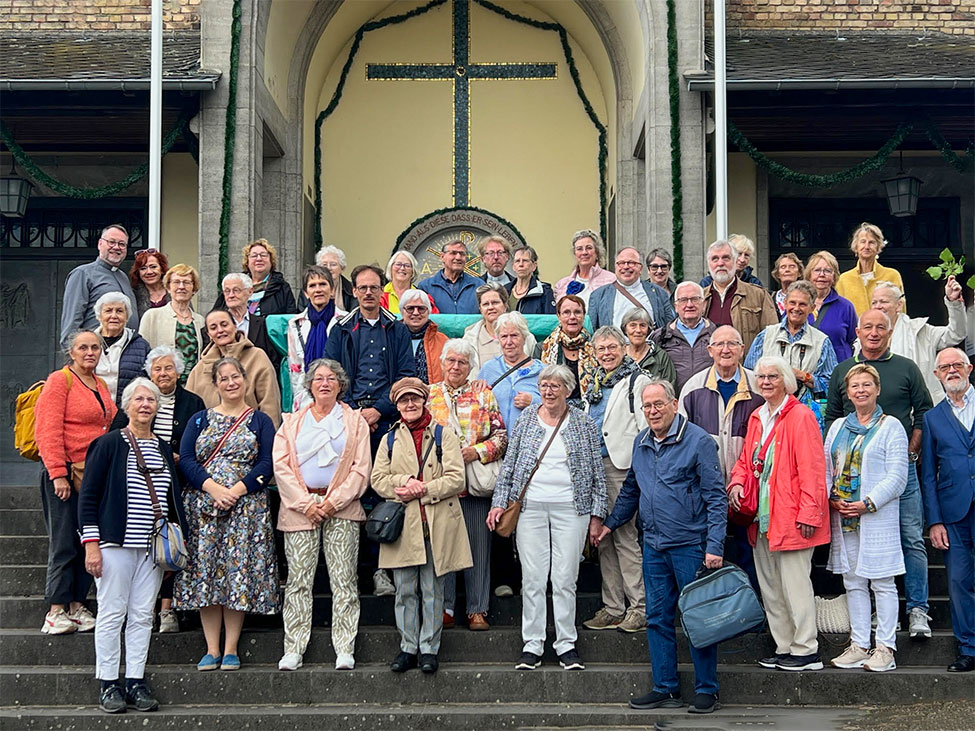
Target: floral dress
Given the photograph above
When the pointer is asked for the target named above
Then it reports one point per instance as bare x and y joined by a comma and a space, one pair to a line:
232, 560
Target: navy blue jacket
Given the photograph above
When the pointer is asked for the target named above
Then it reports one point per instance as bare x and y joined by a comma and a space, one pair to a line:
278, 298
538, 300
103, 500
466, 302
260, 474
186, 406
679, 491
602, 304
947, 466
342, 347
131, 364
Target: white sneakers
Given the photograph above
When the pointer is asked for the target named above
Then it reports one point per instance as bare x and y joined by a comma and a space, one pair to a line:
344, 661
57, 622
290, 661
168, 621
84, 619
853, 657
384, 586
881, 660
878, 660
917, 622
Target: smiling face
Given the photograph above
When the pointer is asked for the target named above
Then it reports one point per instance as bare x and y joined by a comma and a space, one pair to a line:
112, 319
230, 383
492, 306
553, 393
512, 344
401, 271
659, 271
658, 409
629, 266
112, 246
325, 389
85, 351
584, 251
457, 369
873, 333
151, 272
454, 259
523, 265
318, 291
886, 301
797, 309
410, 407
221, 328
334, 266
771, 385
571, 317
258, 262
721, 264
415, 314
726, 350
142, 407
637, 332
862, 391
181, 288
609, 353
495, 258
952, 368
690, 305
163, 373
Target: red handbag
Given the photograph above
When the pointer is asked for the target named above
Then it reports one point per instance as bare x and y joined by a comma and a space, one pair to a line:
748, 505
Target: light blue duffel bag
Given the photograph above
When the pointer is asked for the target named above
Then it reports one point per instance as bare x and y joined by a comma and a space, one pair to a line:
718, 605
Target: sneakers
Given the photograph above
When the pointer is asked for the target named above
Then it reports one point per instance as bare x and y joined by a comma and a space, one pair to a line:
602, 619
800, 662
772, 661
57, 623
528, 661
704, 703
570, 660
853, 656
635, 620
111, 699
85, 620
168, 621
448, 620
881, 660
503, 590
917, 622
384, 586
290, 661
344, 661
656, 699
139, 698
477, 622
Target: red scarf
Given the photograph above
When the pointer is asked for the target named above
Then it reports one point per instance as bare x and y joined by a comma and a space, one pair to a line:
417, 429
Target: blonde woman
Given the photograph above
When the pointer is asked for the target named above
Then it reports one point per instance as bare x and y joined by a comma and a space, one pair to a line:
857, 284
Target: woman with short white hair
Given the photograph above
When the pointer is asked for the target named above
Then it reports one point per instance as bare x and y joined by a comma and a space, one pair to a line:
333, 259
513, 375
125, 351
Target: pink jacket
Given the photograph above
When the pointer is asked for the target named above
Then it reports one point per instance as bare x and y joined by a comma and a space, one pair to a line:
350, 480
597, 278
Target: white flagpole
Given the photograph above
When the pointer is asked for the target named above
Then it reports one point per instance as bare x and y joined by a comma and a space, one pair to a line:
155, 125
720, 123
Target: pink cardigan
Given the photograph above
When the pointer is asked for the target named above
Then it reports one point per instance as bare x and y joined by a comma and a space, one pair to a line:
349, 482
597, 278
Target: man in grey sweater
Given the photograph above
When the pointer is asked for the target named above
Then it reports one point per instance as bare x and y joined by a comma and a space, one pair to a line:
88, 282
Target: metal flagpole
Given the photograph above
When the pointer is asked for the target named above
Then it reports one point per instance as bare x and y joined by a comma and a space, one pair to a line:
720, 124
155, 125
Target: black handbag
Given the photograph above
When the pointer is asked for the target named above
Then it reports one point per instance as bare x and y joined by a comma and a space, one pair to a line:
385, 522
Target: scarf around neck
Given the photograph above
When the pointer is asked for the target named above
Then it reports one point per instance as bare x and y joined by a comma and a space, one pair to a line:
420, 356
603, 381
318, 333
847, 453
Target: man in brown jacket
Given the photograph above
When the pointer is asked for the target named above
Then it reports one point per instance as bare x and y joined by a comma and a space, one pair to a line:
746, 307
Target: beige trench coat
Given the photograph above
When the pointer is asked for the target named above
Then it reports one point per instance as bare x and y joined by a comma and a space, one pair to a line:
448, 535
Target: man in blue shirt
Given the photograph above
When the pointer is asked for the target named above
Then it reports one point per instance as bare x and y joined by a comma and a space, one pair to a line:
452, 289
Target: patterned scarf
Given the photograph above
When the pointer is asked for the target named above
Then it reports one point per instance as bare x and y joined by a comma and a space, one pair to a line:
318, 332
606, 381
847, 453
559, 341
420, 357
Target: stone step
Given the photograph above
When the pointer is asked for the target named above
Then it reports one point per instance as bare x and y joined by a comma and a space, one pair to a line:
22, 522
484, 683
21, 496
500, 644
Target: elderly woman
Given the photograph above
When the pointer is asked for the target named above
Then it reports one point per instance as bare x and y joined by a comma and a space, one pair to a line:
557, 514
420, 464
588, 276
236, 291
308, 331
124, 351
321, 466
832, 314
744, 251
401, 273
117, 517
613, 402
660, 263
426, 339
858, 283
269, 293
74, 408
261, 387
225, 456
654, 360
175, 407
513, 375
176, 324
528, 294
782, 471
333, 259
787, 269
474, 415
492, 301
915, 338
866, 472
147, 278
569, 344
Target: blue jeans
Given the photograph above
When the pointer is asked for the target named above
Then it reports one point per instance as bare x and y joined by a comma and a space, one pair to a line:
912, 543
665, 573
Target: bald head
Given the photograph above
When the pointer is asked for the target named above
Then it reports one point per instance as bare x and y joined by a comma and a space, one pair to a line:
629, 265
952, 368
874, 333
726, 349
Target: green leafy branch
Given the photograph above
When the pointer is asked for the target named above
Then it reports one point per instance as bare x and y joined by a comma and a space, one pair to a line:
949, 267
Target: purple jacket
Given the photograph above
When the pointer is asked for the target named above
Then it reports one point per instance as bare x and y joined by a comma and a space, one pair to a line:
839, 322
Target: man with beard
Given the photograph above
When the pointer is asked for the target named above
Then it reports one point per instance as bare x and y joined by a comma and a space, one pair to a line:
730, 301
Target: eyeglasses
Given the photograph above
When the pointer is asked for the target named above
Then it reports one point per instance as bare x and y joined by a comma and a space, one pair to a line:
727, 344
402, 265
368, 288
324, 379
688, 300
768, 377
113, 243
659, 267
411, 398
947, 367
151, 251
628, 263
821, 272
258, 255
414, 309
549, 386
233, 290
494, 254
656, 406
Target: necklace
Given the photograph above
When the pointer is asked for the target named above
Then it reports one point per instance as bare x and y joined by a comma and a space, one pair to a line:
520, 292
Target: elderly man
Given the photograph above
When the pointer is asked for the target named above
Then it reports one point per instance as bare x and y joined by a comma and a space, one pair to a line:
609, 303
904, 396
85, 284
949, 494
427, 342
452, 289
678, 536
730, 301
236, 289
495, 253
686, 338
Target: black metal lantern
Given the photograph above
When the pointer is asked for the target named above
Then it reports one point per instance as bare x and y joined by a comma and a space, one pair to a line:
902, 192
14, 194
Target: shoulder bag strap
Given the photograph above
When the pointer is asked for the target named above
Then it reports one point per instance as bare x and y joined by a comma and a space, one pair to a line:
630, 297
140, 462
541, 455
216, 450
426, 455
508, 372
822, 312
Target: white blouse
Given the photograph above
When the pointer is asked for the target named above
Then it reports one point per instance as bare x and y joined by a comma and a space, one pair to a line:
319, 445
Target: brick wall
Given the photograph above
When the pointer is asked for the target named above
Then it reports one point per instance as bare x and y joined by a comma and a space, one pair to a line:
946, 16
99, 15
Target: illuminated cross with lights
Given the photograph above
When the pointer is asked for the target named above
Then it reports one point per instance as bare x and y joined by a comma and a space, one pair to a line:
460, 72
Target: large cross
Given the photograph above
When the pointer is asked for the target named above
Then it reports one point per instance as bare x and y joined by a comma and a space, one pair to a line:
461, 71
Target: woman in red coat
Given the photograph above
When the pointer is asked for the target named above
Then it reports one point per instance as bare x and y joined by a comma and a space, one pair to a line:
782, 465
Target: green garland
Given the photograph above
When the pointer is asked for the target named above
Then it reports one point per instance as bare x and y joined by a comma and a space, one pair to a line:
676, 183
229, 138
72, 191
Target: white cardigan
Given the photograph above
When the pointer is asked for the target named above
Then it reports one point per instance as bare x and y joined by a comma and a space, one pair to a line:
883, 478
158, 326
620, 425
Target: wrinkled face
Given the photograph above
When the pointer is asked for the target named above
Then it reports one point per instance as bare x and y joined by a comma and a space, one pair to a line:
609, 353
331, 262
690, 305
952, 369
318, 291
638, 332
258, 262
221, 328
415, 314
230, 382
410, 407
721, 264
181, 288
151, 272
867, 246
659, 271
492, 306
454, 259
86, 351
770, 384
235, 295
726, 348
325, 387
873, 332
822, 275
629, 266
112, 318
523, 265
886, 301
742, 260
112, 246
368, 289
512, 343
495, 258
457, 368
788, 273
571, 317
401, 270
797, 308
163, 373
658, 409
584, 251
863, 391
142, 406
553, 393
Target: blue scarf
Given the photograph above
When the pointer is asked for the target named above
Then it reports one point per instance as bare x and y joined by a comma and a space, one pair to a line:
848, 449
318, 334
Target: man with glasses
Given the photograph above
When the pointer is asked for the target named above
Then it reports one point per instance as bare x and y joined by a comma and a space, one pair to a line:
452, 289
686, 338
87, 283
495, 253
948, 472
609, 303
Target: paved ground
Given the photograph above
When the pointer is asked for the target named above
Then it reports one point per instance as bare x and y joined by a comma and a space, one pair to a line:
944, 716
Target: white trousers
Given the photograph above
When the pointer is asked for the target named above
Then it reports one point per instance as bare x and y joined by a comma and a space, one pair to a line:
127, 593
551, 537
858, 600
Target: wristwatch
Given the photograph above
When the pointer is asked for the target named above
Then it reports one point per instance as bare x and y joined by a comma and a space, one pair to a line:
912, 456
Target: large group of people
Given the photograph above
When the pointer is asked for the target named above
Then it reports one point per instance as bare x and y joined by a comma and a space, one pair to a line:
652, 411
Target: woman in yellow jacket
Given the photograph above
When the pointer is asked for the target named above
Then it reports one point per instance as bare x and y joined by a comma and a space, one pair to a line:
857, 284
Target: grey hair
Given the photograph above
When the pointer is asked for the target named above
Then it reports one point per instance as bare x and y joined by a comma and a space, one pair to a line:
636, 314
801, 285
389, 265
136, 383
75, 334
782, 366
495, 287
597, 241
415, 294
722, 244
113, 298
890, 324
245, 281
334, 250
459, 346
688, 283
661, 253
558, 372
165, 351
891, 286
609, 332
667, 386
332, 365
515, 320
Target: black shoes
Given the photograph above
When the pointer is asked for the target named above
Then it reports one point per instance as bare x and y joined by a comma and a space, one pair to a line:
570, 660
800, 662
704, 703
528, 661
429, 664
139, 698
403, 662
656, 699
772, 661
111, 699
963, 664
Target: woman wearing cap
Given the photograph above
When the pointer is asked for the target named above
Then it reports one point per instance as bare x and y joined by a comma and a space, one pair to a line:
410, 467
